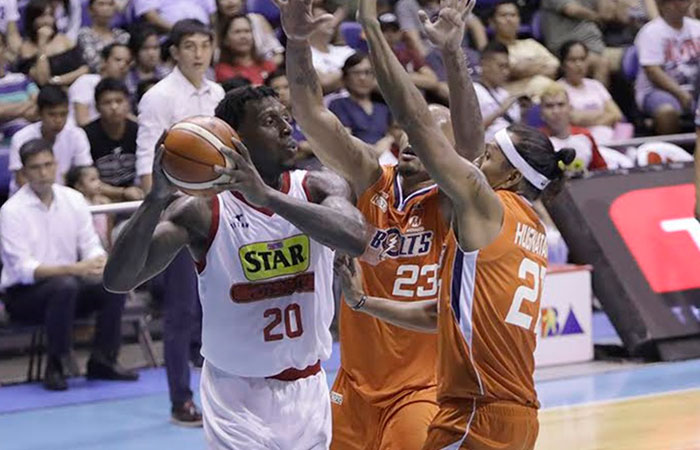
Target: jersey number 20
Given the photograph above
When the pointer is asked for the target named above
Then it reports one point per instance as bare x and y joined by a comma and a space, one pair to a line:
525, 293
292, 323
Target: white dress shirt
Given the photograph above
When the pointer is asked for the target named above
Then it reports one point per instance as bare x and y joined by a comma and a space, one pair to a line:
174, 10
172, 99
71, 148
32, 234
83, 91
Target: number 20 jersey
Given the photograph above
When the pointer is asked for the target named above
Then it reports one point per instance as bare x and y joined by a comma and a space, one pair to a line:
383, 360
265, 289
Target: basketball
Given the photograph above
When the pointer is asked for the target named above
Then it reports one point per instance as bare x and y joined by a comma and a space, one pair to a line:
192, 149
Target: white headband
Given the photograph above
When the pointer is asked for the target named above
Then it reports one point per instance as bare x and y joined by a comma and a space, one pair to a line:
537, 179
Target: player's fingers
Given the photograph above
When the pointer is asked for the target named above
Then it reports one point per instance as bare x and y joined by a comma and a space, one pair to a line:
242, 149
423, 16
323, 19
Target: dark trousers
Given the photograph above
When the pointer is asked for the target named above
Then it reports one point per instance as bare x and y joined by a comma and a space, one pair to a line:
56, 301
177, 288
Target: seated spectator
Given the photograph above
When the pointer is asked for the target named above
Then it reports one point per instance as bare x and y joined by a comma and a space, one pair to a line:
669, 53
532, 66
366, 119
162, 14
576, 20
421, 74
267, 45
498, 108
591, 104
305, 156
238, 55
556, 114
145, 50
328, 59
48, 56
69, 16
51, 277
116, 59
86, 180
9, 15
70, 144
17, 99
94, 38
112, 139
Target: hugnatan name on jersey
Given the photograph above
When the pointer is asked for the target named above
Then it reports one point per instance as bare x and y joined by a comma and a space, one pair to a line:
272, 259
393, 244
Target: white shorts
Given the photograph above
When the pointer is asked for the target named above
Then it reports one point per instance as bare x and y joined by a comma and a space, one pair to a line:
243, 413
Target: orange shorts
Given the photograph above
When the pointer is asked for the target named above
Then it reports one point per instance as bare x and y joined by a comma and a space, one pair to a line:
475, 425
359, 425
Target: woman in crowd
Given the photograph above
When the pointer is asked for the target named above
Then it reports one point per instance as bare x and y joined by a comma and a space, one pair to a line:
145, 51
592, 106
47, 55
69, 17
266, 43
238, 54
94, 38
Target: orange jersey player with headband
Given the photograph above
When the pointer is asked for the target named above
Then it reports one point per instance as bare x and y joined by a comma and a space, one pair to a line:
495, 258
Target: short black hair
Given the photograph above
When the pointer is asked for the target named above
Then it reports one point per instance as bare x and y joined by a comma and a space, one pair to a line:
34, 9
139, 34
232, 108
235, 82
188, 27
51, 95
500, 3
277, 73
107, 50
33, 147
110, 85
74, 174
494, 48
567, 46
353, 60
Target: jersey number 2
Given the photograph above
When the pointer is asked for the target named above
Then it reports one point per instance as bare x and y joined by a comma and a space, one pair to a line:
525, 293
407, 277
292, 323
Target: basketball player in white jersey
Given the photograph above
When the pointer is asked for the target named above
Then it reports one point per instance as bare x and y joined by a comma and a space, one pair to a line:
263, 248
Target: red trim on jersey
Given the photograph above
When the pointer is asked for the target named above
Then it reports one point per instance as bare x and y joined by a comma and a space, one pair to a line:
213, 228
306, 188
293, 374
284, 188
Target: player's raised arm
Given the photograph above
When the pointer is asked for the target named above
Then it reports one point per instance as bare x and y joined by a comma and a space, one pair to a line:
476, 205
330, 140
447, 33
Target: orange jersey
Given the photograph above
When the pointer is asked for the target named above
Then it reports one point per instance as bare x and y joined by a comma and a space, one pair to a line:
383, 360
489, 305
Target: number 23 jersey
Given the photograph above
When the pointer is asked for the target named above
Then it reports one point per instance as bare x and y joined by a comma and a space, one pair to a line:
265, 289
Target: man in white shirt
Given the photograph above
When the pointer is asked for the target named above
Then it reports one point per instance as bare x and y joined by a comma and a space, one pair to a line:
183, 93
162, 14
70, 143
116, 59
51, 276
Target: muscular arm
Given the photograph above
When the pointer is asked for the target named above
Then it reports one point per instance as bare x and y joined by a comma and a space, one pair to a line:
418, 316
330, 217
331, 142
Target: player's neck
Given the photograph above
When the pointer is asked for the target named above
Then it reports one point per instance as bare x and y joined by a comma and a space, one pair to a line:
412, 183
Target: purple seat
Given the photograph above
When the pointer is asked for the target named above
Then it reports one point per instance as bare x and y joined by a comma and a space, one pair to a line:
536, 26
266, 8
352, 35
630, 63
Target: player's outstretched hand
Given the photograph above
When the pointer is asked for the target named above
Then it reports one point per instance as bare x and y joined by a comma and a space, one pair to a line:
243, 176
367, 11
162, 188
298, 21
350, 273
447, 31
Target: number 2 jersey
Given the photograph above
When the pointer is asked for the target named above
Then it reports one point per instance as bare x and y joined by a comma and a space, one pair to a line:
383, 360
488, 310
265, 289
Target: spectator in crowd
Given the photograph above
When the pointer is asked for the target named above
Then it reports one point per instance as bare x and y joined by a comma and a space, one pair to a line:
9, 16
49, 277
591, 104
116, 61
499, 109
421, 74
69, 16
694, 10
145, 49
17, 99
69, 143
86, 180
112, 139
48, 56
267, 45
556, 114
328, 59
94, 38
576, 20
238, 54
162, 14
366, 119
532, 66
669, 53
183, 93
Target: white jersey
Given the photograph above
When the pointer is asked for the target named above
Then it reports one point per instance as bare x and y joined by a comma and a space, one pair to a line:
265, 289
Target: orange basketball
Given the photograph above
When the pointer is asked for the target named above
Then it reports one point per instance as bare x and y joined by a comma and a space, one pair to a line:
192, 149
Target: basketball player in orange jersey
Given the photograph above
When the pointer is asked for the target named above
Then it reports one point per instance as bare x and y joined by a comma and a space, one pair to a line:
494, 262
384, 394
264, 253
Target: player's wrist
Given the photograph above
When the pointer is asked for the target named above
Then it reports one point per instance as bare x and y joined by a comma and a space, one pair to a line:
360, 303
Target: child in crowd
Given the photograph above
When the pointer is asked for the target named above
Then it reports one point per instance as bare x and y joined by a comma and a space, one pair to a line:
86, 180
